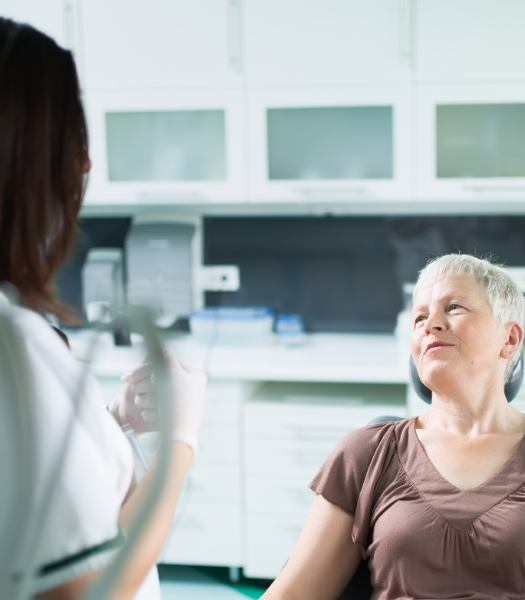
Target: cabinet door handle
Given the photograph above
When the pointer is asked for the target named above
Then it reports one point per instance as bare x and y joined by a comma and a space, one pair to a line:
491, 188
176, 195
406, 32
74, 38
331, 193
234, 35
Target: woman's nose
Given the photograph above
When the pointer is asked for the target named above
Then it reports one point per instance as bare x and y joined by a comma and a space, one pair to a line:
434, 322
86, 167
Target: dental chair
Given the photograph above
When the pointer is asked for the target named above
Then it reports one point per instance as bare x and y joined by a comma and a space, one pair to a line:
360, 586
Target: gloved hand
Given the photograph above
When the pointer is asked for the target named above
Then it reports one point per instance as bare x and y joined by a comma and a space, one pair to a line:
137, 407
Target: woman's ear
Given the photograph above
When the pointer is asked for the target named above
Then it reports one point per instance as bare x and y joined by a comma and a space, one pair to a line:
513, 341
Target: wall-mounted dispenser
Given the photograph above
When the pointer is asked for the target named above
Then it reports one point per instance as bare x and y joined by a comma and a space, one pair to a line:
102, 281
159, 261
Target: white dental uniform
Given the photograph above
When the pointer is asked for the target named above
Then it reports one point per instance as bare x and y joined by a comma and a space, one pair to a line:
80, 532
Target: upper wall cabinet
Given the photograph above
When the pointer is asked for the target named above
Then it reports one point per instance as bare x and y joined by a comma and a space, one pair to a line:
292, 42
470, 142
50, 16
160, 44
351, 143
470, 40
172, 147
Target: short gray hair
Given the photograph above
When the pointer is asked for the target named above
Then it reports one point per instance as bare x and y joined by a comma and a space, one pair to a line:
502, 293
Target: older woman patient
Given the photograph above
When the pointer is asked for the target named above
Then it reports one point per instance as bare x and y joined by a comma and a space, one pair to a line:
435, 502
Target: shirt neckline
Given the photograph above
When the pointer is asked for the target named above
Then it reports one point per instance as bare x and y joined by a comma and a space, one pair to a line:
494, 480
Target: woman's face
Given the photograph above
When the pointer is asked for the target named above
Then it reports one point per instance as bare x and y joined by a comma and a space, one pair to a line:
454, 333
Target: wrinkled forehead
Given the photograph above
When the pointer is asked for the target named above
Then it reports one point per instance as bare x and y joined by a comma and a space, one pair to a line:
431, 288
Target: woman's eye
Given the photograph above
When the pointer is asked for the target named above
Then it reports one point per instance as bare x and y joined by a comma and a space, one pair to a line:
453, 306
419, 319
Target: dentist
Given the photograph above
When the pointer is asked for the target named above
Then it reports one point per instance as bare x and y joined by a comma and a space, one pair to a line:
44, 160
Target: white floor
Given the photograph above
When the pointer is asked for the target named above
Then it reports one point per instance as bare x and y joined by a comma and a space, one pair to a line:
190, 584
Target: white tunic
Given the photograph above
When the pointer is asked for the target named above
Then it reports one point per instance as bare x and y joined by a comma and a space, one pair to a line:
80, 532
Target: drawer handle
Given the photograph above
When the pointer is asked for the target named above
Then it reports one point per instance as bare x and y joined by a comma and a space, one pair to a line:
491, 188
175, 195
295, 529
332, 193
186, 521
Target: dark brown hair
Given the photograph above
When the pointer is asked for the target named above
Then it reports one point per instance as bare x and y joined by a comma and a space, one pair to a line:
43, 156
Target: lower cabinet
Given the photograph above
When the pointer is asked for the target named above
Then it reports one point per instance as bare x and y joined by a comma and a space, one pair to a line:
288, 432
205, 534
246, 497
207, 526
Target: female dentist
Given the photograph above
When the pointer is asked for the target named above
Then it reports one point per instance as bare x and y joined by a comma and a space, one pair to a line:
43, 162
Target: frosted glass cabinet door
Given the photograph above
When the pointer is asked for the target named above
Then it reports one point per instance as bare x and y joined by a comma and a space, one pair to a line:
166, 145
330, 145
330, 142
166, 148
471, 142
159, 44
480, 140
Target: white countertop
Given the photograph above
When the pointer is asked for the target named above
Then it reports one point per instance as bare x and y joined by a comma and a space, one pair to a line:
342, 358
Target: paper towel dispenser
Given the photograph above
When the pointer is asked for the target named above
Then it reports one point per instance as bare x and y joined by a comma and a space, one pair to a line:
159, 267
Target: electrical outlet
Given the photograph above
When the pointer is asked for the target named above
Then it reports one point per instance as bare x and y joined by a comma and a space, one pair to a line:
219, 278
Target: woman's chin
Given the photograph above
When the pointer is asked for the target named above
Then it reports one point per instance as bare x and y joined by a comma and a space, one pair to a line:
438, 373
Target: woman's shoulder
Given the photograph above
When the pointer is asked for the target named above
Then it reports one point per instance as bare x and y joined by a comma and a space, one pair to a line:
40, 337
360, 458
365, 440
27, 322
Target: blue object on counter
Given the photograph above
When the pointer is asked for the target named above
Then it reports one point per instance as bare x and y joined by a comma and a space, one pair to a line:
233, 325
234, 312
290, 329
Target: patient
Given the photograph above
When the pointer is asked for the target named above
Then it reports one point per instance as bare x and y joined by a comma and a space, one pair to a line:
435, 502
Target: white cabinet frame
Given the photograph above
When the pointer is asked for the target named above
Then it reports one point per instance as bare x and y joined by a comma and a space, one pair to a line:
261, 188
475, 191
102, 191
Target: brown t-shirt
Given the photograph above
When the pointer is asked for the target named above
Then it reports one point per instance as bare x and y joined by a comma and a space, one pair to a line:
425, 538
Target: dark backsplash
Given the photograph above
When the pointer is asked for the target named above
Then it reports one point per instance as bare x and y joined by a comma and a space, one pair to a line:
341, 273
345, 273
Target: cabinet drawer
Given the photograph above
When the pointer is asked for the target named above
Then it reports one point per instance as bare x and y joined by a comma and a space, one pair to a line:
217, 445
206, 485
282, 456
304, 421
219, 410
278, 496
209, 536
269, 542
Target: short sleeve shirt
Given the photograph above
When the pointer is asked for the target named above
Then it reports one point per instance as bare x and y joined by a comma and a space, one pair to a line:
425, 538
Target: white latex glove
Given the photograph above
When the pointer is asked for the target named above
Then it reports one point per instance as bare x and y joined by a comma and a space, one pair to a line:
137, 407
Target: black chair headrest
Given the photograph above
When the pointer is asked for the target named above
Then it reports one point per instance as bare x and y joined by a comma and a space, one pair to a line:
512, 386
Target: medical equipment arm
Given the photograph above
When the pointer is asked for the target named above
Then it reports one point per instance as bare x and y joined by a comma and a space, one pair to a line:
148, 528
324, 546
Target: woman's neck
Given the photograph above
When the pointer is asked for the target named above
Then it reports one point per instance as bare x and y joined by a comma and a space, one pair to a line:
477, 416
